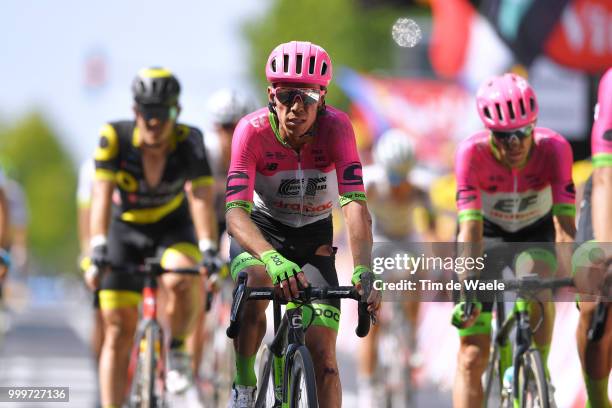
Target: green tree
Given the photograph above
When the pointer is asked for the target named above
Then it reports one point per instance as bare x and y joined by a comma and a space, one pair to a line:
47, 175
354, 36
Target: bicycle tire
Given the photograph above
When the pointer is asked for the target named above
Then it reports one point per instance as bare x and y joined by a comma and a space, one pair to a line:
303, 386
144, 394
492, 382
265, 387
532, 371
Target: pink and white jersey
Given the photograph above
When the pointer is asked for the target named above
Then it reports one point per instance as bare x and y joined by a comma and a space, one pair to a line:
601, 135
514, 198
294, 188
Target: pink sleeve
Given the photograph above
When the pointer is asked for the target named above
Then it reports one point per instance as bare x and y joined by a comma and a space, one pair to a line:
563, 191
241, 174
601, 135
347, 162
468, 190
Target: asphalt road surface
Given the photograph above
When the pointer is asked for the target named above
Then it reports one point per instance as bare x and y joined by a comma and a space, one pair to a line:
46, 344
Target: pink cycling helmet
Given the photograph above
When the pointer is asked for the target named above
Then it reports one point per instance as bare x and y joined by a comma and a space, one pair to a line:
299, 61
506, 103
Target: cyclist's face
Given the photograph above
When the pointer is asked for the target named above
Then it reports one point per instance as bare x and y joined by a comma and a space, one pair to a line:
296, 107
514, 150
154, 131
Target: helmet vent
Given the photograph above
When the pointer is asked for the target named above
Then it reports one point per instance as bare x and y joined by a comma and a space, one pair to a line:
311, 66
532, 104
487, 112
273, 65
286, 63
522, 105
511, 111
298, 64
499, 112
323, 68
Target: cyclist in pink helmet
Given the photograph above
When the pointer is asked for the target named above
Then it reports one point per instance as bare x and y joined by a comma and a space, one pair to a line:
290, 161
506, 103
514, 185
595, 234
299, 61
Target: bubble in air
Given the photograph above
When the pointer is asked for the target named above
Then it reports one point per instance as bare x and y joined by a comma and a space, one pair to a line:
406, 32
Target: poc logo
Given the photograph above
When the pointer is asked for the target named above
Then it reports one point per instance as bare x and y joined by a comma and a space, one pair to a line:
326, 313
276, 259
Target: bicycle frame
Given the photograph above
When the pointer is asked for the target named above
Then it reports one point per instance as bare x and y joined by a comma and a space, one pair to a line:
519, 318
289, 331
289, 335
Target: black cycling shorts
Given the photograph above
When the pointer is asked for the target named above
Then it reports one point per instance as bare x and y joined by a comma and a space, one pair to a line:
130, 244
296, 244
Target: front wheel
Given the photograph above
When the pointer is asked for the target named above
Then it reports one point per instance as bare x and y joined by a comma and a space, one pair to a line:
303, 387
265, 385
532, 381
146, 392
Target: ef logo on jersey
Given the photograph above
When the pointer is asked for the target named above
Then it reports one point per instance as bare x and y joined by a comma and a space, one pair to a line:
507, 205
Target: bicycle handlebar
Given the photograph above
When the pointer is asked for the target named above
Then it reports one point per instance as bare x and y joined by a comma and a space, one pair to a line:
531, 282
152, 266
242, 293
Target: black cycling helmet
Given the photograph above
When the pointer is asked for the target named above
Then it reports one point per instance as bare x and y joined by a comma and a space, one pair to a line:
156, 86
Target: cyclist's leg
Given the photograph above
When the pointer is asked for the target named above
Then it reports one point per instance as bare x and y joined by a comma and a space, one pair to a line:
595, 357
195, 341
320, 271
119, 326
97, 332
183, 292
472, 361
541, 261
120, 295
253, 323
475, 340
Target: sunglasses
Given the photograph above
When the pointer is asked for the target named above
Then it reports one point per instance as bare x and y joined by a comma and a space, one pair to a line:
507, 137
309, 96
161, 112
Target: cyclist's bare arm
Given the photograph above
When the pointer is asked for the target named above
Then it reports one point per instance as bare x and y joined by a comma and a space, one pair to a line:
470, 233
100, 207
83, 217
242, 229
565, 230
602, 204
202, 212
359, 228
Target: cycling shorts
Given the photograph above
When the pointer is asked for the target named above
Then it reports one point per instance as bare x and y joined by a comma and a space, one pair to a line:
298, 245
128, 247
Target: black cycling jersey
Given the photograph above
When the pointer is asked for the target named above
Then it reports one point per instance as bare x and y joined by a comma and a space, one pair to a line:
119, 158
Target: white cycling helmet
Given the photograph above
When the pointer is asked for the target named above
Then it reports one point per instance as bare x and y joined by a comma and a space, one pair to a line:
227, 107
394, 151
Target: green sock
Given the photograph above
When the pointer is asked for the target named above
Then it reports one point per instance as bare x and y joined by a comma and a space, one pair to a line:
597, 392
245, 371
